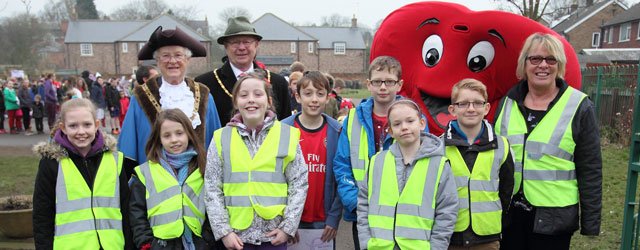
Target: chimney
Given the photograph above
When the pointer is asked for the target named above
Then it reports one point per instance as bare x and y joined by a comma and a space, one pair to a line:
354, 22
64, 25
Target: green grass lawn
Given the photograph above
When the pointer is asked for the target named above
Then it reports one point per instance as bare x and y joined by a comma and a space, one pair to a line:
18, 176
355, 94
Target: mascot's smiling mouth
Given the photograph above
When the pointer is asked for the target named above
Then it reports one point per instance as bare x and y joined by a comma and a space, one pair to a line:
438, 109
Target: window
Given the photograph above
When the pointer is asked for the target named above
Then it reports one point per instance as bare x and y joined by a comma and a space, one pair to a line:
625, 32
310, 46
293, 47
606, 35
595, 39
140, 45
86, 49
339, 48
610, 39
638, 30
125, 47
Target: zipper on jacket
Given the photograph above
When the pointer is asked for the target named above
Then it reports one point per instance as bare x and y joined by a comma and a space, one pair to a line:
91, 181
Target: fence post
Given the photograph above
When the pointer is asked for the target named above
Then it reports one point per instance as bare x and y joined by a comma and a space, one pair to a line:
598, 90
629, 226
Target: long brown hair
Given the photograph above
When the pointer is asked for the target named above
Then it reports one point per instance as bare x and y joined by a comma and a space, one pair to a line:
154, 144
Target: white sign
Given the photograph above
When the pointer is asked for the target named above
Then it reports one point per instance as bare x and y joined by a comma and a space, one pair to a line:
310, 239
17, 73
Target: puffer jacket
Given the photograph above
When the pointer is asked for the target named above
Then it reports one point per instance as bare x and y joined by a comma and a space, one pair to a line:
296, 174
10, 99
44, 194
141, 229
485, 142
332, 204
446, 210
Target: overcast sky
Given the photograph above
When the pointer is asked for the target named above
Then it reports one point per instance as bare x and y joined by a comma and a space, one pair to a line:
368, 12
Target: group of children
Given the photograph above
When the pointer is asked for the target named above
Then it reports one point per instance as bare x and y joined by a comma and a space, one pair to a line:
261, 179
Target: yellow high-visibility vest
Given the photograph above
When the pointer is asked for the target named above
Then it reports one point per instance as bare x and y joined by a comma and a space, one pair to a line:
255, 183
85, 218
544, 162
478, 194
404, 218
169, 205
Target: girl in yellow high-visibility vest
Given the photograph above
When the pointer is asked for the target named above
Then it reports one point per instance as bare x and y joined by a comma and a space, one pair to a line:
80, 194
256, 177
409, 198
167, 205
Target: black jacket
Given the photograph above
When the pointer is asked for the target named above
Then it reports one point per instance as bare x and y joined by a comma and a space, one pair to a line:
486, 142
141, 229
44, 193
588, 161
2, 107
38, 110
223, 101
112, 96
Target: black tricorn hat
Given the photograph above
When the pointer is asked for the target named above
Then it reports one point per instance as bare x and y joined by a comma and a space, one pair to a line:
160, 38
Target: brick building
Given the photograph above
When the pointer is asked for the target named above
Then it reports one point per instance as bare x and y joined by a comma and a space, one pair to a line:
581, 27
620, 43
340, 51
111, 47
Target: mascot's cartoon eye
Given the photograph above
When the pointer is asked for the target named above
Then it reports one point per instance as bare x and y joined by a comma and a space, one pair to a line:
480, 56
432, 50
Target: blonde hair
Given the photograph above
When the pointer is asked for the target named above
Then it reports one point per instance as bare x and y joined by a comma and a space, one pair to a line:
77, 103
470, 84
405, 102
547, 41
295, 76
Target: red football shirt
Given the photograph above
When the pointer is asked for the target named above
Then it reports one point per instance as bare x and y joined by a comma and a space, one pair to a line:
314, 148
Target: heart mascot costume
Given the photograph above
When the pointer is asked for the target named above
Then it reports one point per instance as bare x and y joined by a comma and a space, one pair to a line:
439, 44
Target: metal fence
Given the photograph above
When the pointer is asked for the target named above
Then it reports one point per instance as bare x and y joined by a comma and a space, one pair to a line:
611, 89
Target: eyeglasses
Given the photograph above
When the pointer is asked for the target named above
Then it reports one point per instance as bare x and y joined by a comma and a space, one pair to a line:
465, 105
387, 83
166, 58
236, 43
535, 60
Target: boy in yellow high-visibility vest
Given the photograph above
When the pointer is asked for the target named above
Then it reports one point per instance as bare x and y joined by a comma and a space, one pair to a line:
483, 168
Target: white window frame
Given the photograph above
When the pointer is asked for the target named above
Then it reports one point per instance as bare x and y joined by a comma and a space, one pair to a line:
310, 46
610, 39
294, 47
595, 39
605, 36
638, 38
140, 45
86, 49
625, 32
125, 47
340, 48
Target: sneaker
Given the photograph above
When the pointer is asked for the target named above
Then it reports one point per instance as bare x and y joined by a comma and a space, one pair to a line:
2, 131
28, 133
14, 132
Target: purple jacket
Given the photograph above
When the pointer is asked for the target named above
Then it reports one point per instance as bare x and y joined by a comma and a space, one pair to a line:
49, 92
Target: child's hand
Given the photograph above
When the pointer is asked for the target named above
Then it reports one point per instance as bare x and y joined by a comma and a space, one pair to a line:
328, 234
232, 241
280, 237
295, 239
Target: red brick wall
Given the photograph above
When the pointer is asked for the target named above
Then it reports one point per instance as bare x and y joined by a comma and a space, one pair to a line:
352, 62
580, 37
634, 41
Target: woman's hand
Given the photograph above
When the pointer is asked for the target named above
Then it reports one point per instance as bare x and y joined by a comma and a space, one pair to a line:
232, 241
280, 237
328, 234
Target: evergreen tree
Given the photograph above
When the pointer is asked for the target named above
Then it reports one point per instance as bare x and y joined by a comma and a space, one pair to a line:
86, 9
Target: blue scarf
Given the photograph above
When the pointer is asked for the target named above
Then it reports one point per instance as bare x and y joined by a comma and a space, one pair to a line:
180, 162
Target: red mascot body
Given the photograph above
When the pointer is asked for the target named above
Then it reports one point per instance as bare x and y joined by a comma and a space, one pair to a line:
439, 44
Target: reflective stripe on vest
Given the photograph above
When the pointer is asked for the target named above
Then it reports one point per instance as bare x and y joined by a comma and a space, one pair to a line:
545, 161
404, 218
358, 146
256, 183
85, 218
168, 204
480, 188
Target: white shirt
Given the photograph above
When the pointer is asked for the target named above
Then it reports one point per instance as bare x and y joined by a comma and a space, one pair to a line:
179, 96
237, 71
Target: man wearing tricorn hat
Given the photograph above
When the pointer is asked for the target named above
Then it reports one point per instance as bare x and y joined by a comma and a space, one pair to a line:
241, 43
172, 50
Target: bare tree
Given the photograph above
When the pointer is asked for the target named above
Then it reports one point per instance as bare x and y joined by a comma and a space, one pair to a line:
335, 20
22, 33
27, 6
56, 11
223, 17
149, 9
